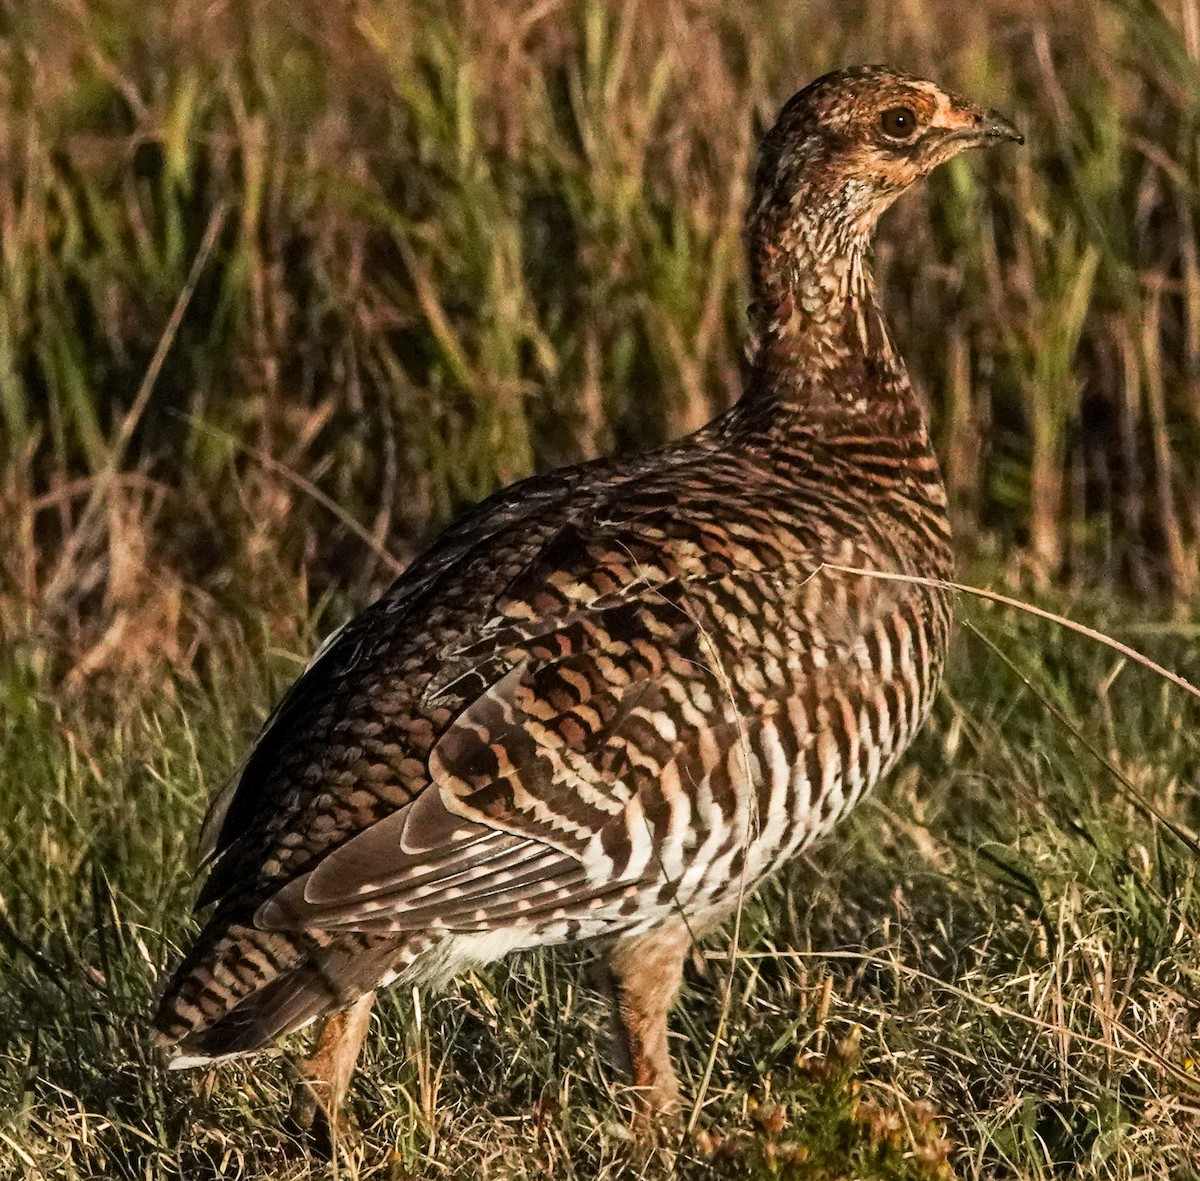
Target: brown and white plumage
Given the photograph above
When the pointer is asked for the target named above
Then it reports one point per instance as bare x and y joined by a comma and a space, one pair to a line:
613, 698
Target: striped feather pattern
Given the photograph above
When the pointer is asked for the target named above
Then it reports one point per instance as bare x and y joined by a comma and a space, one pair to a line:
609, 695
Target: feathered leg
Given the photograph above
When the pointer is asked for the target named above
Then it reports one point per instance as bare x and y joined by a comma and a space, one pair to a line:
327, 1071
644, 974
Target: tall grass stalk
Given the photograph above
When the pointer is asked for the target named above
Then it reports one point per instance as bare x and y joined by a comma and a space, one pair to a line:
463, 242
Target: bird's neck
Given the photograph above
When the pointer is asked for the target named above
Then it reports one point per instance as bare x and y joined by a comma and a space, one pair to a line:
820, 344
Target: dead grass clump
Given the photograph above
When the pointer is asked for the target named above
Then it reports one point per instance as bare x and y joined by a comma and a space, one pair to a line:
397, 254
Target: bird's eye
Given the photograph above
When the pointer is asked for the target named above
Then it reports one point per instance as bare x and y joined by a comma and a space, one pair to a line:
898, 122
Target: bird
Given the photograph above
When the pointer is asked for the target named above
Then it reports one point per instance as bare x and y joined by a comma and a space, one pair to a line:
613, 698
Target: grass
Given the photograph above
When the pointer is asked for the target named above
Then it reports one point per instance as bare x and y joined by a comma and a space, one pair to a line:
992, 971
282, 287
434, 247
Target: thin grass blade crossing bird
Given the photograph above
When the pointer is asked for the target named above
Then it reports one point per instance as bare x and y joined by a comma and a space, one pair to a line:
615, 697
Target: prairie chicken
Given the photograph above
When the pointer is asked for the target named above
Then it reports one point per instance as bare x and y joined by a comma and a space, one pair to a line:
613, 698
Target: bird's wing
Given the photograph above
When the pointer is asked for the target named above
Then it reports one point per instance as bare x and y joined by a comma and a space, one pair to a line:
542, 785
523, 508
549, 791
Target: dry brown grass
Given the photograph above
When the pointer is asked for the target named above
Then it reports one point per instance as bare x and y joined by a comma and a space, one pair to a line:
448, 244
284, 286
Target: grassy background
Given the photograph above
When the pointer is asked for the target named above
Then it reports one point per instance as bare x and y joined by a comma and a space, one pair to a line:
284, 286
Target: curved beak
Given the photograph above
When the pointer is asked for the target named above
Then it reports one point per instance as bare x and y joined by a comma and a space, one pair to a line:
969, 126
994, 126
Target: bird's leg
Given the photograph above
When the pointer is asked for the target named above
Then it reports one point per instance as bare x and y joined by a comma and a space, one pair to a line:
643, 977
327, 1071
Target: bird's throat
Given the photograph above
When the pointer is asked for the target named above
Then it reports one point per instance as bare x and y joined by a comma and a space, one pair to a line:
819, 335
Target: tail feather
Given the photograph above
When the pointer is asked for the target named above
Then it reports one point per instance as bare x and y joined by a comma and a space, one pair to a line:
243, 988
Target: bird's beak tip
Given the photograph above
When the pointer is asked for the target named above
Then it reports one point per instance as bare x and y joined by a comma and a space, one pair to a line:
996, 126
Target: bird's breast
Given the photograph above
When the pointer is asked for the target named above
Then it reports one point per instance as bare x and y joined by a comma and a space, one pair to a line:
792, 711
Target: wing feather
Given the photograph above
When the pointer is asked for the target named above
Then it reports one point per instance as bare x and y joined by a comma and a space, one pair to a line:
551, 699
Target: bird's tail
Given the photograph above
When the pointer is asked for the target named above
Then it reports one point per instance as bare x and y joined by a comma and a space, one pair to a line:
241, 988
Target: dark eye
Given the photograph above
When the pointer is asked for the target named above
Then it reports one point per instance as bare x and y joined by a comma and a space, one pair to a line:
898, 122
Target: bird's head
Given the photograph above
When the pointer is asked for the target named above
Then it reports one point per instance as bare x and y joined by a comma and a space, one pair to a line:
852, 141
841, 151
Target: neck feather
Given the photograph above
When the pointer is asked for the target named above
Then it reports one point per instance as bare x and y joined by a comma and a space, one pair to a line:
819, 337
